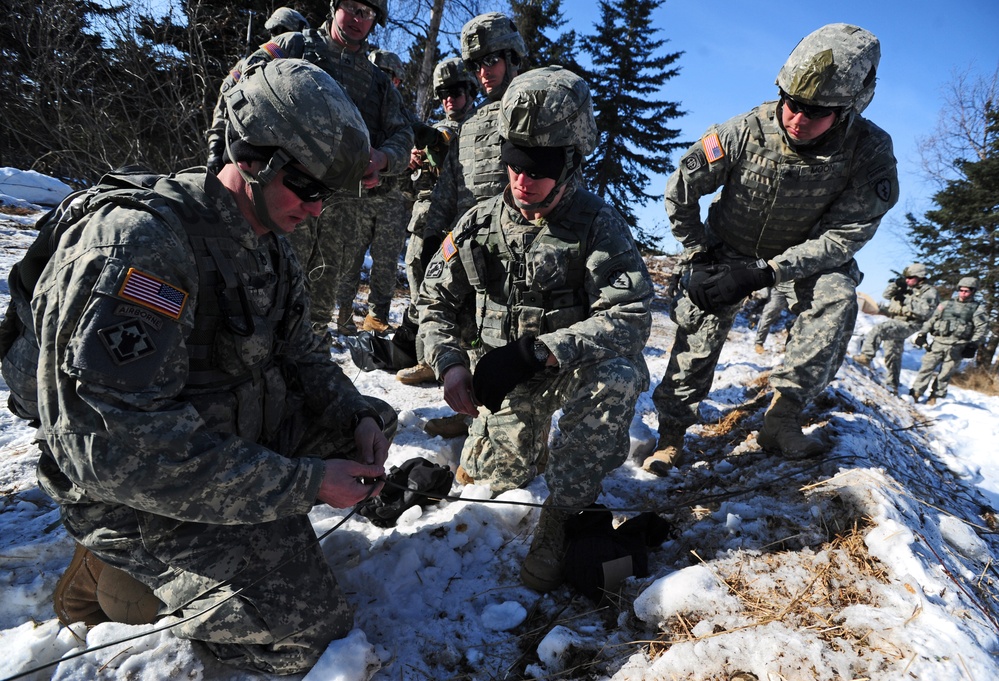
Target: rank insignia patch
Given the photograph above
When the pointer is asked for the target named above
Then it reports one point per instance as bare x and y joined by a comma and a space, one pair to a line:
127, 341
712, 147
148, 291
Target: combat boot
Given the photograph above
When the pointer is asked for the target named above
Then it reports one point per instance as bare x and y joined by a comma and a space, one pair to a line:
375, 325
415, 375
669, 452
345, 325
75, 597
931, 401
862, 360
782, 432
447, 427
759, 349
125, 599
544, 566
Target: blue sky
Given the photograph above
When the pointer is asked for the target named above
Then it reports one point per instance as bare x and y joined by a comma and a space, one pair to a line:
733, 50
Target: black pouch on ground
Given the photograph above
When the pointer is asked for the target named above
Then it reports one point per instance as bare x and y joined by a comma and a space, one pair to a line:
416, 482
600, 556
369, 351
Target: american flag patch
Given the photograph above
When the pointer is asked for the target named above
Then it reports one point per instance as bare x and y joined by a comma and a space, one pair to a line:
448, 249
148, 291
273, 49
712, 147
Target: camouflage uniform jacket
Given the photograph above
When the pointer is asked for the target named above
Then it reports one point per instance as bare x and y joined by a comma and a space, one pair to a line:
472, 171
574, 279
956, 322
120, 312
428, 177
367, 86
916, 305
806, 209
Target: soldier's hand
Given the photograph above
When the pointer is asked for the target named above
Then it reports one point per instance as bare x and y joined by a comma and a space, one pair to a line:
499, 371
372, 446
377, 162
729, 284
969, 350
458, 391
215, 163
346, 482
920, 341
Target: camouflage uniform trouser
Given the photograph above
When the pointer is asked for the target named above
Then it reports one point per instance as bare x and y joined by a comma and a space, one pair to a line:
890, 336
289, 606
597, 403
414, 271
335, 245
771, 313
826, 305
947, 356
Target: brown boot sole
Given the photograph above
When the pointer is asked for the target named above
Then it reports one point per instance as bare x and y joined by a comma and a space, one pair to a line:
72, 599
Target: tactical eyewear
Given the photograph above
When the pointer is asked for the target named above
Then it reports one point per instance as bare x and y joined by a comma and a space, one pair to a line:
452, 91
357, 10
533, 174
810, 112
305, 187
486, 62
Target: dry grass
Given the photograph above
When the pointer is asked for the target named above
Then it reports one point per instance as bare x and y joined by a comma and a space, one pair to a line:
14, 210
979, 379
841, 573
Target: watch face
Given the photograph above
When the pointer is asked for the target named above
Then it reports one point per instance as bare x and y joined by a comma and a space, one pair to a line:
540, 352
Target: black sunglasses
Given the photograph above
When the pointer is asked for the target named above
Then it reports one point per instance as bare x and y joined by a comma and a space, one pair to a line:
489, 60
452, 91
304, 186
807, 110
533, 174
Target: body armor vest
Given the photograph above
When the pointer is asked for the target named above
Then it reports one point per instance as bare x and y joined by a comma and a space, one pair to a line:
516, 294
483, 173
956, 321
776, 197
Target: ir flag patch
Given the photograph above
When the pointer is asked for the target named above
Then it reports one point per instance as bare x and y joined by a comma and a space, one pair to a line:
148, 291
712, 147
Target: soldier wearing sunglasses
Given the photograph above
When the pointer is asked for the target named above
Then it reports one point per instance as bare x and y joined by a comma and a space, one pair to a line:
805, 181
339, 47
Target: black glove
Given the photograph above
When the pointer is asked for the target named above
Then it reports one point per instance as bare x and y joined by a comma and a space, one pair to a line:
417, 481
969, 350
426, 136
920, 341
502, 369
901, 288
215, 163
729, 284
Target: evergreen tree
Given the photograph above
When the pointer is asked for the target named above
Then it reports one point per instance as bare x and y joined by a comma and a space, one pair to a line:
629, 67
534, 18
961, 237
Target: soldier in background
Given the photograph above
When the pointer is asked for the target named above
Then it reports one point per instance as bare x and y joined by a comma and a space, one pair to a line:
339, 47
837, 179
911, 302
560, 298
776, 304
285, 20
958, 328
455, 89
191, 419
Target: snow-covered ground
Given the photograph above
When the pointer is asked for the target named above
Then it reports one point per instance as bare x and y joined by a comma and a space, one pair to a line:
876, 562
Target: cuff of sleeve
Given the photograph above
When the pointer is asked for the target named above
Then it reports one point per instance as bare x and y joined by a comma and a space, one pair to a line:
778, 277
314, 480
364, 413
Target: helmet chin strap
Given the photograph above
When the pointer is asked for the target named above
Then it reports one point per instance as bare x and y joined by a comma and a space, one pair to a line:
347, 40
568, 174
257, 184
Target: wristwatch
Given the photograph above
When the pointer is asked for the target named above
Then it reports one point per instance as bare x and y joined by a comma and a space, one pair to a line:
366, 412
541, 352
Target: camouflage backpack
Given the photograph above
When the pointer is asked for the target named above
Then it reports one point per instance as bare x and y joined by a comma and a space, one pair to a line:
129, 187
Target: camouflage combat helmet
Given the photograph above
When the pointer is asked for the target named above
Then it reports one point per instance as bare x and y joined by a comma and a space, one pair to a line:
297, 108
285, 20
834, 66
451, 72
380, 6
969, 282
488, 33
549, 107
916, 269
388, 62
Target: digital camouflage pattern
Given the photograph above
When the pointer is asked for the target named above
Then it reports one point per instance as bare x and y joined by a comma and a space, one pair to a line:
285, 19
274, 103
832, 195
906, 316
596, 331
452, 71
952, 325
549, 107
182, 480
776, 303
834, 66
388, 62
488, 33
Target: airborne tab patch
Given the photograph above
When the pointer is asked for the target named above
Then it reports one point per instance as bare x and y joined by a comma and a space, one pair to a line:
448, 249
153, 293
712, 147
